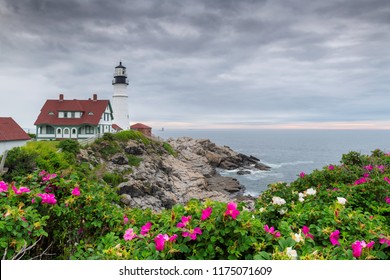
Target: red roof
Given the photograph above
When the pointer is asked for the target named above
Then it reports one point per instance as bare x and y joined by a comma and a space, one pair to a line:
140, 126
11, 131
116, 127
92, 110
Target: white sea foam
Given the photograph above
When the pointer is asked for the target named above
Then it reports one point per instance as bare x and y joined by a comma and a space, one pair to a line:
279, 165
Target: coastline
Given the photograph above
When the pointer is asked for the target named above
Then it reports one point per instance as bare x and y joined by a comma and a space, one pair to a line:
172, 172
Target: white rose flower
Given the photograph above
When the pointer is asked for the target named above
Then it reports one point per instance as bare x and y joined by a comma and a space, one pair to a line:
278, 200
341, 200
282, 211
292, 254
311, 191
301, 199
297, 237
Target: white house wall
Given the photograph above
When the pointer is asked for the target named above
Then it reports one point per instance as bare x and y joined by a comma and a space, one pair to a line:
8, 145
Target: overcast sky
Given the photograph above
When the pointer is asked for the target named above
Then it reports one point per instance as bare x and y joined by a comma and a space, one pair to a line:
203, 63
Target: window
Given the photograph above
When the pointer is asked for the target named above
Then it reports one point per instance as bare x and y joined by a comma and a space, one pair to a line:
58, 130
73, 114
49, 129
106, 116
65, 114
74, 131
89, 129
118, 71
66, 131
51, 113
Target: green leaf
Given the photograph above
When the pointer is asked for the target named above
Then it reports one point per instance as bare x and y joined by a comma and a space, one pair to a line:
262, 256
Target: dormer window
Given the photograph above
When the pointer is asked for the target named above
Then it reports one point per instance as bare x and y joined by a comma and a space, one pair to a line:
69, 114
90, 113
51, 113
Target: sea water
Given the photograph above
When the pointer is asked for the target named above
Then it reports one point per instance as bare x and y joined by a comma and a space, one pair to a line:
287, 152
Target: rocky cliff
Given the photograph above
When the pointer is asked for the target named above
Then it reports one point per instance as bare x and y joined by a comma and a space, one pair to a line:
165, 174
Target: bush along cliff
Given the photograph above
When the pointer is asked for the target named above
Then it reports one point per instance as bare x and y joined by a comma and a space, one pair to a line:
339, 212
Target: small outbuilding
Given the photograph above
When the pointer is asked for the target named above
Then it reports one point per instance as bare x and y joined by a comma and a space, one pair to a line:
144, 129
11, 134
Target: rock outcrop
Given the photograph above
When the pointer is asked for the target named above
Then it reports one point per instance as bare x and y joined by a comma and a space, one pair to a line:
161, 180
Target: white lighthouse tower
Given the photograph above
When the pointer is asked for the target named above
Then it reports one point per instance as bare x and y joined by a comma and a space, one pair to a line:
120, 97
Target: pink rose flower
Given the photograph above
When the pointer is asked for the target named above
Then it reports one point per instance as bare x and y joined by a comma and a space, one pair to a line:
271, 230
192, 233
232, 210
184, 221
358, 246
206, 213
129, 234
20, 190
3, 186
47, 198
172, 238
159, 240
305, 231
368, 167
334, 237
381, 168
48, 177
384, 241
76, 191
145, 229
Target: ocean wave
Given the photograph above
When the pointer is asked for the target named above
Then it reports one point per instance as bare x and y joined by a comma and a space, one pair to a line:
234, 171
279, 165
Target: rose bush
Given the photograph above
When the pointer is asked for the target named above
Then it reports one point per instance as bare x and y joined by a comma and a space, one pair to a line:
321, 215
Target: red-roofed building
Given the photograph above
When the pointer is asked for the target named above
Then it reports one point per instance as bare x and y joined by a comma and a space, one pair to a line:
75, 119
11, 135
144, 129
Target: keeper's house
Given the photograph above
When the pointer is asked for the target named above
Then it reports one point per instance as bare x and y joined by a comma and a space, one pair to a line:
11, 135
74, 119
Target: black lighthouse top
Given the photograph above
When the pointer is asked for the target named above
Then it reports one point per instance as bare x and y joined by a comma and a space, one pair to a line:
120, 76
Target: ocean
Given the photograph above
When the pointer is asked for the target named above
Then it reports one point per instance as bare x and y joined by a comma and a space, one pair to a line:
288, 152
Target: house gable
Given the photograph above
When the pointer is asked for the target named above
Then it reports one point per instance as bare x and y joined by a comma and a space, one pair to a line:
11, 131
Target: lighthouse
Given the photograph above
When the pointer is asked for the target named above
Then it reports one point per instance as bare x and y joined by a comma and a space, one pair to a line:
120, 97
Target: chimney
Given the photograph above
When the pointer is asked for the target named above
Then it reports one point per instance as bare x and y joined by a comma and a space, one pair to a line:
61, 97
94, 97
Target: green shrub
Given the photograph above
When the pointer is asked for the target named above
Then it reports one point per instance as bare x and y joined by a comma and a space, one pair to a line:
134, 160
169, 149
126, 135
318, 216
19, 162
70, 146
113, 179
106, 148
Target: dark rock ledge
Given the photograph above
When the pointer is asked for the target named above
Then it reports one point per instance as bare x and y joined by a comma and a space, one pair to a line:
162, 180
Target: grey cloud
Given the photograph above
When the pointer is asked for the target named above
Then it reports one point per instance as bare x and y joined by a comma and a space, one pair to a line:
194, 61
